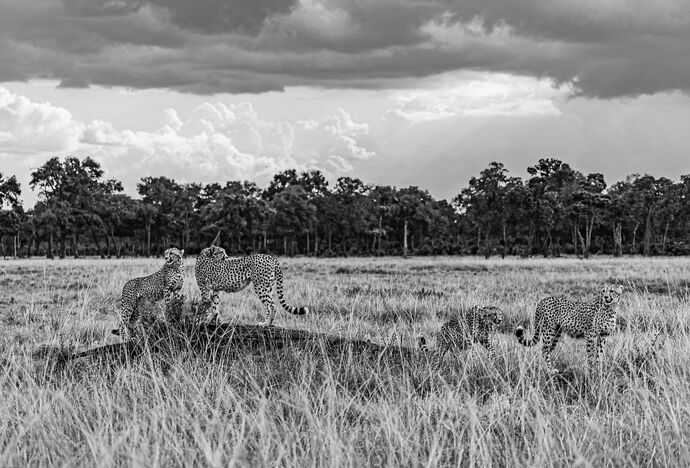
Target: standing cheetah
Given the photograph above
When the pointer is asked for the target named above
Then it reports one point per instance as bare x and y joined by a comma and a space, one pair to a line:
592, 320
163, 284
473, 326
216, 272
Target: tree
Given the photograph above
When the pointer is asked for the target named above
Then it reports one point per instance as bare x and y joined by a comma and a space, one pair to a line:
484, 202
292, 214
69, 190
588, 203
11, 212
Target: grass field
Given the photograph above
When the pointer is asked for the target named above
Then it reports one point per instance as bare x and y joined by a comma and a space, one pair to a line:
295, 408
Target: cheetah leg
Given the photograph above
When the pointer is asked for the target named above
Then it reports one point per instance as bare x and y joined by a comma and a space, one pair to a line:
490, 347
263, 290
213, 312
556, 336
130, 314
208, 310
595, 351
171, 297
548, 344
125, 314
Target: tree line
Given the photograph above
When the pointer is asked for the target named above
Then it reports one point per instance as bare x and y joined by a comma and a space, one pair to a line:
557, 210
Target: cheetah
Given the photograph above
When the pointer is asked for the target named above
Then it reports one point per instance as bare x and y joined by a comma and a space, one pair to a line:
216, 272
163, 284
473, 326
592, 320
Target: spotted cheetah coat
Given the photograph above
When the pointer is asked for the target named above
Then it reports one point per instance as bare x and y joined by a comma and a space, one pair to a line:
163, 284
593, 320
216, 272
472, 326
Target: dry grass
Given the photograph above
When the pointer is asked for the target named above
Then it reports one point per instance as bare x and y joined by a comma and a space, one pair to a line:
298, 407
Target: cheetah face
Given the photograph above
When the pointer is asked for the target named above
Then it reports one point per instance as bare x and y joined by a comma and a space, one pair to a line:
493, 314
611, 294
173, 256
215, 252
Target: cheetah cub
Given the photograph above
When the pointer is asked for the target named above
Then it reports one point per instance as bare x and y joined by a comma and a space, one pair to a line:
163, 284
473, 326
593, 320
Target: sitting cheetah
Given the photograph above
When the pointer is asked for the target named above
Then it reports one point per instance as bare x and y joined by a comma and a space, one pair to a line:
473, 326
163, 284
592, 320
216, 272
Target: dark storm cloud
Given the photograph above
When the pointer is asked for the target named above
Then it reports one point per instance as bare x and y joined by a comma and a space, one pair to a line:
204, 16
604, 49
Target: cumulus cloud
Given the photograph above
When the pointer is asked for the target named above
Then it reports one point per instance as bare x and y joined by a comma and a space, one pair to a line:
603, 49
214, 142
27, 126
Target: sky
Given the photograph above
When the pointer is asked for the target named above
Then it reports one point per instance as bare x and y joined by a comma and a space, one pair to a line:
399, 92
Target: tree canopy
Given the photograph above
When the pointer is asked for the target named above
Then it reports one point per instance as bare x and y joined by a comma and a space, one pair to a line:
555, 210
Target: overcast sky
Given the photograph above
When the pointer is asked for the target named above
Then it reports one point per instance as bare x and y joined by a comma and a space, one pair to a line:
402, 92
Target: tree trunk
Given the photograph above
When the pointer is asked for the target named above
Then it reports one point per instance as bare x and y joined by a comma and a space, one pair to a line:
663, 239
63, 244
405, 239
617, 239
530, 242
285, 246
316, 240
380, 231
50, 255
589, 228
585, 246
505, 239
487, 244
75, 244
634, 249
148, 240
547, 244
648, 233
308, 249
94, 236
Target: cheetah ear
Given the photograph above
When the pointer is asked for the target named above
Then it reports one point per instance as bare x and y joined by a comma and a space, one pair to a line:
619, 289
181, 252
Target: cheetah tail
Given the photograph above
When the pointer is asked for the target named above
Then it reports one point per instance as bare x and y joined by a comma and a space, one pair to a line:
279, 290
520, 333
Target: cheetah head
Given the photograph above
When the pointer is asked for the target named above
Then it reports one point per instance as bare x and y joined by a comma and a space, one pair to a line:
611, 294
214, 252
173, 256
493, 314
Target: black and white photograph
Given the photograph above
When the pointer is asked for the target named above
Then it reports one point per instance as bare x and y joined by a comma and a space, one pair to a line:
344, 233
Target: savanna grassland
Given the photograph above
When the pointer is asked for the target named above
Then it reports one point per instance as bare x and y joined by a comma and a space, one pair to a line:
295, 407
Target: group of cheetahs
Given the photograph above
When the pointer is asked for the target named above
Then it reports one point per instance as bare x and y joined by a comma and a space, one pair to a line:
216, 272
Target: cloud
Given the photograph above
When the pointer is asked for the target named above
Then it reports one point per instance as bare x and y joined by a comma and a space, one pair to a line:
219, 142
27, 126
214, 142
602, 49
477, 94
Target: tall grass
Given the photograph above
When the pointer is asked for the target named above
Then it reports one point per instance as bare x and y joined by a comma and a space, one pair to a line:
301, 407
